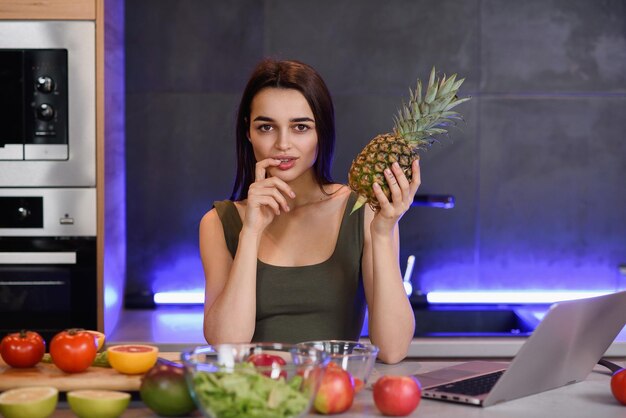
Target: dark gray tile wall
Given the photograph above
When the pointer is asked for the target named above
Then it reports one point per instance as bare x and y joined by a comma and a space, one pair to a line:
537, 168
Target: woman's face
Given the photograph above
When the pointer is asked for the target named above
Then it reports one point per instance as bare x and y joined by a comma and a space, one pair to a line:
282, 126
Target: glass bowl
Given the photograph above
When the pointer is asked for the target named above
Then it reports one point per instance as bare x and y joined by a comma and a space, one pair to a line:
356, 357
254, 380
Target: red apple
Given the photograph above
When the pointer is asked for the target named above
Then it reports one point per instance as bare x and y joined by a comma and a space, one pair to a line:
270, 363
397, 396
618, 385
336, 392
264, 359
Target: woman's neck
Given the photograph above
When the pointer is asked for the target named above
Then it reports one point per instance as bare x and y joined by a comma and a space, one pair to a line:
308, 190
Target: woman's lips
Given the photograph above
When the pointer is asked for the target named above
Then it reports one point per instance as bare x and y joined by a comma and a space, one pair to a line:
286, 163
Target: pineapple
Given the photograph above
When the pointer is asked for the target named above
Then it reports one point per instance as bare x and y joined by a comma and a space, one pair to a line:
414, 129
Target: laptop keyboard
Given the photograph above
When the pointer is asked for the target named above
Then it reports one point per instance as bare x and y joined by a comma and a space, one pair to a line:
472, 387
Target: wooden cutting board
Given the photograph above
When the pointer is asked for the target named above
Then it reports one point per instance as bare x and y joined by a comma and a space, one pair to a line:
45, 374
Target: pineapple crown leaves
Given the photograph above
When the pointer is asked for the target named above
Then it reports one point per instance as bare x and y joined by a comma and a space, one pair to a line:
430, 114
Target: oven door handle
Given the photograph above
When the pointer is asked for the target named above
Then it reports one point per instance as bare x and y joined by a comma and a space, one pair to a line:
42, 257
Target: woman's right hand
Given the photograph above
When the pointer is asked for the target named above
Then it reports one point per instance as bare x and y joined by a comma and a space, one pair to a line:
267, 197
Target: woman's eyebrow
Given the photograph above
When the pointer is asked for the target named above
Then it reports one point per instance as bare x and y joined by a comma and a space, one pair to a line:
305, 119
263, 118
268, 119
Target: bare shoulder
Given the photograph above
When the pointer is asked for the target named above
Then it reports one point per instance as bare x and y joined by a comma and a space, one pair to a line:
210, 219
211, 236
210, 226
337, 191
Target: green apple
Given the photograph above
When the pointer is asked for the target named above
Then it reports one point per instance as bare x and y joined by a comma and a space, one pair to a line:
31, 402
98, 403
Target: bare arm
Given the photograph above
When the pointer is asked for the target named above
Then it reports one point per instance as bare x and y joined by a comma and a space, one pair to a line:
391, 319
230, 284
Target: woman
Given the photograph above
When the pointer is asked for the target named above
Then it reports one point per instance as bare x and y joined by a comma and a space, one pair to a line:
283, 259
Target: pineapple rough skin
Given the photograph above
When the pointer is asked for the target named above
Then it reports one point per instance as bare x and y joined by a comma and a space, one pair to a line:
415, 127
367, 168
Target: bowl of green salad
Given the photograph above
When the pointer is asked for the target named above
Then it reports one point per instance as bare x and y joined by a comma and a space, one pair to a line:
254, 380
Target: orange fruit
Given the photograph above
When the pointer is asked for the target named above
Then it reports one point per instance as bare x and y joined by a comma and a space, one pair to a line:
132, 358
99, 338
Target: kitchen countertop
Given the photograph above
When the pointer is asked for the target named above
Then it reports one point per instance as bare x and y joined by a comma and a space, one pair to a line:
589, 398
180, 328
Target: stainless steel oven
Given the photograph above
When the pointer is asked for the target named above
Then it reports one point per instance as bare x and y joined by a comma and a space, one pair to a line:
48, 236
47, 104
48, 277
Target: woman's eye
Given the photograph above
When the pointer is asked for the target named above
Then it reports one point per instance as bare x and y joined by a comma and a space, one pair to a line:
264, 128
301, 127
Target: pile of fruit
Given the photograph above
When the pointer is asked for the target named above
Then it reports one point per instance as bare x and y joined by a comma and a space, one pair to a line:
163, 387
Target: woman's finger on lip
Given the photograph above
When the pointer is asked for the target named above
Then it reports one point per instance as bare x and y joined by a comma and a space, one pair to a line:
261, 166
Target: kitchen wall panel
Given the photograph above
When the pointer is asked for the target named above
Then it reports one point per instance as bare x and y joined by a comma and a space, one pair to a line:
536, 168
551, 202
553, 46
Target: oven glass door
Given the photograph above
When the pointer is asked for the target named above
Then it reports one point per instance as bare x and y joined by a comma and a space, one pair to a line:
47, 284
11, 105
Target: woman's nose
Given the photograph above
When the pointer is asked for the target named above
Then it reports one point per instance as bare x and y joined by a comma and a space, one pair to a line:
282, 141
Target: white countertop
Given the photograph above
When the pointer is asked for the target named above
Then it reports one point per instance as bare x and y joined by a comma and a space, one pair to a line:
590, 398
177, 329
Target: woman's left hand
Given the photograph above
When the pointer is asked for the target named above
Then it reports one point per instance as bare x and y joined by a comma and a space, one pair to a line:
402, 194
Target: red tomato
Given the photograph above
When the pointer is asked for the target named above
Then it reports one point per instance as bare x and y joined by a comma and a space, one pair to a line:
73, 350
618, 385
22, 349
336, 392
397, 395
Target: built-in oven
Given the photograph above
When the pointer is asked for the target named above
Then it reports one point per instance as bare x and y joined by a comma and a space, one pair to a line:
33, 104
48, 236
47, 104
48, 277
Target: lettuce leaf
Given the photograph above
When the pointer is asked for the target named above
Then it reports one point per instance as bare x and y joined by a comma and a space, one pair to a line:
243, 392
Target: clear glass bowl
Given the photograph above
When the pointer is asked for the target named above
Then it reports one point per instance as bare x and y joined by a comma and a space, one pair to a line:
249, 380
356, 357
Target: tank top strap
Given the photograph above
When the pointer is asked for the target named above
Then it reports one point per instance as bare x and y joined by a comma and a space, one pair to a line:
231, 223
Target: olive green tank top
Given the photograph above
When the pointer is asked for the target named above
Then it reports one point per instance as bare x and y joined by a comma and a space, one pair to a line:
316, 302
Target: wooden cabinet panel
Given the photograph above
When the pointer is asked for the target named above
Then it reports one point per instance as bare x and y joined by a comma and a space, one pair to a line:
48, 9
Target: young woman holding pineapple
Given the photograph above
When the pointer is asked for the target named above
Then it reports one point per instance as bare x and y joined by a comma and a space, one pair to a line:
284, 259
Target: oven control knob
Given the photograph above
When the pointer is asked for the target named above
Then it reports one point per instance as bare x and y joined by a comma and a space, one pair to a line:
45, 84
45, 111
23, 212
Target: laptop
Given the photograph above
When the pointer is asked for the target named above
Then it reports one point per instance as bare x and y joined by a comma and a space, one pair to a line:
562, 350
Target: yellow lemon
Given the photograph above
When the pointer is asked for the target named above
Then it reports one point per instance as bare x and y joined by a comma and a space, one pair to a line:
132, 358
31, 402
98, 403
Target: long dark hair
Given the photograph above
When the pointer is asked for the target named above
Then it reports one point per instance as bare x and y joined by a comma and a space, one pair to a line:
289, 75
